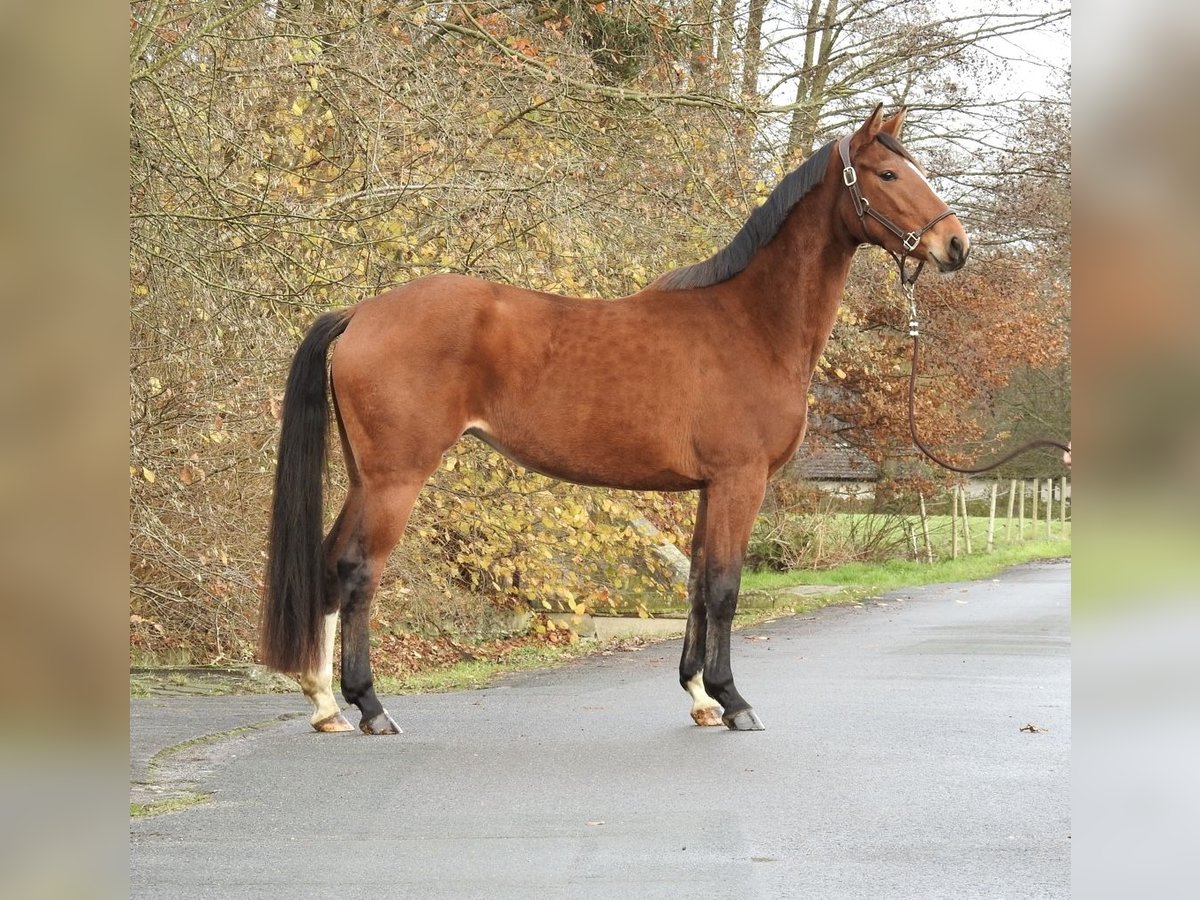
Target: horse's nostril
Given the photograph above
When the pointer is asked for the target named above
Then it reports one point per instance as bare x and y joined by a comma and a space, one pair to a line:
957, 251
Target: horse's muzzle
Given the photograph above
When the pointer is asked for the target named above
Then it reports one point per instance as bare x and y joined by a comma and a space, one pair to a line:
954, 257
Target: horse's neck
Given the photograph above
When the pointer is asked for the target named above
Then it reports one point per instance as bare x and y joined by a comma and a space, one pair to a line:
793, 286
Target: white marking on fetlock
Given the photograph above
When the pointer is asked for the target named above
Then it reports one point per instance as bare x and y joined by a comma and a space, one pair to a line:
701, 702
318, 686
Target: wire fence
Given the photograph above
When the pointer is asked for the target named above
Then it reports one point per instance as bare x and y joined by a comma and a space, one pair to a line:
1015, 510
813, 528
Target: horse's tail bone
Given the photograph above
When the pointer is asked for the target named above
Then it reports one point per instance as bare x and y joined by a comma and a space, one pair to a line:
293, 604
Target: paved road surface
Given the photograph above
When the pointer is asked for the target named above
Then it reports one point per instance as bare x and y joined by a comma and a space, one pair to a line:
894, 764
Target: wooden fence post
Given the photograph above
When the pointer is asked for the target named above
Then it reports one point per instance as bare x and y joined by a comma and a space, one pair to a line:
1033, 512
1012, 498
1021, 513
925, 529
991, 534
1049, 507
1062, 505
954, 522
962, 494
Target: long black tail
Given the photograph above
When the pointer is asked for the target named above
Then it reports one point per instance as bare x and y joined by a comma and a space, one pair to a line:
293, 606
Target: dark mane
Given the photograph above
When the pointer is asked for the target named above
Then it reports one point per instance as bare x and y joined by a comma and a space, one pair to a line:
760, 228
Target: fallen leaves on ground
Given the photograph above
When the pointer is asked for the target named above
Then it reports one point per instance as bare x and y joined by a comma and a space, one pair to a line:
406, 654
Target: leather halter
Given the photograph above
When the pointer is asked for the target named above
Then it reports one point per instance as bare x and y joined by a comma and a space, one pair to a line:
909, 240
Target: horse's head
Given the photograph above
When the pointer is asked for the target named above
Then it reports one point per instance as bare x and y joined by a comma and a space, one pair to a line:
890, 203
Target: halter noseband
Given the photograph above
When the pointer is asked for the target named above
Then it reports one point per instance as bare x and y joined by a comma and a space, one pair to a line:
908, 239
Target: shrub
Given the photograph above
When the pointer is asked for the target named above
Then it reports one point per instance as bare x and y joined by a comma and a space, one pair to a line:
803, 528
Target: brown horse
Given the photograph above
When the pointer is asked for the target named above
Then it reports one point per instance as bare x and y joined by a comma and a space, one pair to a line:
697, 382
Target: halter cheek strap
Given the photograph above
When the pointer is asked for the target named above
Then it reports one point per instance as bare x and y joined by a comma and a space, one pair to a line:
909, 240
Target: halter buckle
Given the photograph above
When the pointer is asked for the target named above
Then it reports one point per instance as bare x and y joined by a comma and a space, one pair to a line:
911, 240
849, 176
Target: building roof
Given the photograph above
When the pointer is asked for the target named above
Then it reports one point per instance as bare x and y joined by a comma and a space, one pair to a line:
833, 461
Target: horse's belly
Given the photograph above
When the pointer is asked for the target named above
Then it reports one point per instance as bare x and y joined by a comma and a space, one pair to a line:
590, 459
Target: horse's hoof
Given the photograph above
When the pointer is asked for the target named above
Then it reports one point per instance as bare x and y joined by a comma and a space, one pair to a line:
710, 715
746, 720
381, 724
330, 724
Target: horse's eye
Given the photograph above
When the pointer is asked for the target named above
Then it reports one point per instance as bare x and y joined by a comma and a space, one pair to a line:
888, 175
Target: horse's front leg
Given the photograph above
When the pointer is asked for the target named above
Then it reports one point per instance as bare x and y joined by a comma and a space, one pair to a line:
732, 505
705, 710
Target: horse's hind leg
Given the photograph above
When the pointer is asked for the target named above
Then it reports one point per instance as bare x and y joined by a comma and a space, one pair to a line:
705, 710
318, 684
385, 514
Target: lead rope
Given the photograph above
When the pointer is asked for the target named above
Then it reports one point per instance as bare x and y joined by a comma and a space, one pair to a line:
914, 331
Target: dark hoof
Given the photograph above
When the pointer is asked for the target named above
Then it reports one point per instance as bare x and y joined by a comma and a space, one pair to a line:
330, 724
746, 720
710, 715
381, 724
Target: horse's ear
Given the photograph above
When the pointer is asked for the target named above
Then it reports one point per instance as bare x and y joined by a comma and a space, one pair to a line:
869, 128
895, 124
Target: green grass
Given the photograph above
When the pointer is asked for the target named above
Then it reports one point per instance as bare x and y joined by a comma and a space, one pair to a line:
186, 799
878, 577
161, 756
477, 673
167, 805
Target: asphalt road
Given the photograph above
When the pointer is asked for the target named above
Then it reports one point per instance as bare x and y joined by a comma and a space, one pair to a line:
894, 764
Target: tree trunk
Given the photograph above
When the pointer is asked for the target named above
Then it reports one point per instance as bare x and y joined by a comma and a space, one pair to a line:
752, 51
725, 39
702, 24
812, 78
